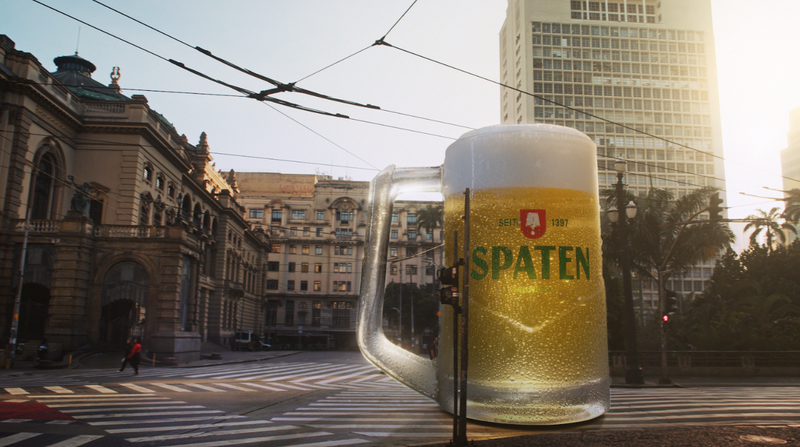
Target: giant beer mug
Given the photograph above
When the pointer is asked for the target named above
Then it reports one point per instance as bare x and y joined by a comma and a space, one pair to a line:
538, 352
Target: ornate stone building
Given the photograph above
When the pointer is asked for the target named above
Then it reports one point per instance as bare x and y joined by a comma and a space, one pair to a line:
130, 229
317, 226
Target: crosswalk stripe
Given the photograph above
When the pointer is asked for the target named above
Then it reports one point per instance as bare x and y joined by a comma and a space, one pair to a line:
234, 387
15, 421
370, 377
285, 385
205, 387
263, 386
15, 391
158, 413
365, 426
171, 387
59, 390
409, 435
106, 404
134, 387
359, 371
101, 389
177, 407
76, 441
251, 440
185, 427
240, 431
170, 420
19, 437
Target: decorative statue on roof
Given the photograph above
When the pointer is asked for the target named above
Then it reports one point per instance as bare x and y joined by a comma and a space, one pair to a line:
81, 201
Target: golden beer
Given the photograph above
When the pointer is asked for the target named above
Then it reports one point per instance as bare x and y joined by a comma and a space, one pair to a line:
537, 319
537, 303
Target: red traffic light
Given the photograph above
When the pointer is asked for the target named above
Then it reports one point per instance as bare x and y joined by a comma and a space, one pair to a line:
665, 318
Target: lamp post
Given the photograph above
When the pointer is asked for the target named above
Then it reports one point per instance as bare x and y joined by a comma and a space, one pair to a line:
633, 372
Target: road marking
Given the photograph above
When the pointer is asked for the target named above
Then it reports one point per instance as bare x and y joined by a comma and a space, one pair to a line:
59, 422
358, 372
15, 421
178, 407
126, 415
263, 386
101, 389
234, 387
312, 419
19, 437
59, 390
372, 376
292, 386
259, 440
138, 388
367, 426
15, 391
332, 443
171, 387
240, 431
76, 441
185, 427
205, 387
409, 435
160, 421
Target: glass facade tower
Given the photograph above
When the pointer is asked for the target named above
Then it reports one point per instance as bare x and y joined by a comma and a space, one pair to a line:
647, 67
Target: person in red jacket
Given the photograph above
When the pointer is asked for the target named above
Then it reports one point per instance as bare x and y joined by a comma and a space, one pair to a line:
133, 357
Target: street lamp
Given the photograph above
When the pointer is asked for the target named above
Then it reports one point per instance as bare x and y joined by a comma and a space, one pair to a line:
633, 372
400, 314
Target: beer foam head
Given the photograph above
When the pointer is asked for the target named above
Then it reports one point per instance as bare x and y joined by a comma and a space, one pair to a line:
537, 155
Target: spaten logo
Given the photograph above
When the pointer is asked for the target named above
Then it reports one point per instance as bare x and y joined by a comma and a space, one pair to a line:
534, 223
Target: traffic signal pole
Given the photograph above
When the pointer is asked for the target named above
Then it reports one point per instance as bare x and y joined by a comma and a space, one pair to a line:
462, 412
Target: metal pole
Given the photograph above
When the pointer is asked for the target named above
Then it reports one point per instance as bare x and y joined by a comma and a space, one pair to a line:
462, 412
633, 372
18, 298
400, 306
413, 335
664, 379
455, 349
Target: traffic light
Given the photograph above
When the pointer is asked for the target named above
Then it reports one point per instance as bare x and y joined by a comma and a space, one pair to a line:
449, 276
670, 303
449, 295
714, 208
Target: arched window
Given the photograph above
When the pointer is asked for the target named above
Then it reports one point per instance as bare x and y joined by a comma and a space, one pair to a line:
44, 189
144, 212
186, 207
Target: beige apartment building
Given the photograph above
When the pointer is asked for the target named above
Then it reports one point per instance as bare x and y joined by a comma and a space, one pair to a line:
316, 226
647, 64
125, 228
790, 160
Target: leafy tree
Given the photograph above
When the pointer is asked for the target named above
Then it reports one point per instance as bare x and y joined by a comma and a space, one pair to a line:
768, 223
430, 217
661, 246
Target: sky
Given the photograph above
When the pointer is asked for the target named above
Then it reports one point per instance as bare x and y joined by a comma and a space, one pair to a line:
292, 40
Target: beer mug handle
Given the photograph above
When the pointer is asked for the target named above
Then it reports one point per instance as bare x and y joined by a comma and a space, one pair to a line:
416, 372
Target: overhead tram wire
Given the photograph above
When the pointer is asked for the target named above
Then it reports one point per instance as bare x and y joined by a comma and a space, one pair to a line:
624, 126
264, 94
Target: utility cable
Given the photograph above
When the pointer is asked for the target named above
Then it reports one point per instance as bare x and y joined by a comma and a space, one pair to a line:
398, 20
383, 42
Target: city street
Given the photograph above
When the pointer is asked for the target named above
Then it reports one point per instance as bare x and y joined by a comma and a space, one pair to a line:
321, 399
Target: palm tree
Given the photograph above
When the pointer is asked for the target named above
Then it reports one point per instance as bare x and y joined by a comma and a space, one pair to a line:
792, 210
768, 223
662, 244
430, 217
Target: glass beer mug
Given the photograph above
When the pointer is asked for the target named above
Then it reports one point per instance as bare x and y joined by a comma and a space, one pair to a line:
538, 352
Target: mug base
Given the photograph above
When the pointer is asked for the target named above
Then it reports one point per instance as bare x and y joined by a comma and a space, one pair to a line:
520, 405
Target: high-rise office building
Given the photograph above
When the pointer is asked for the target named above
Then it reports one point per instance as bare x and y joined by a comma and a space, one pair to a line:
790, 159
645, 64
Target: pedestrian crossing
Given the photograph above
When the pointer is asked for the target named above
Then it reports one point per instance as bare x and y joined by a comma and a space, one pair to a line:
145, 419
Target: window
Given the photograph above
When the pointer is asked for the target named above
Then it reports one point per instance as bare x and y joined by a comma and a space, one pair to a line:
276, 248
293, 249
273, 266
272, 284
303, 285
319, 232
316, 311
148, 173
290, 285
343, 267
411, 219
292, 266
412, 235
394, 234
395, 218
320, 215
318, 249
276, 215
289, 318
344, 216
305, 249
317, 268
393, 269
342, 250
393, 252
293, 231
344, 232
411, 270
306, 231
304, 267
317, 286
256, 214
429, 236
298, 214
429, 270
171, 190
160, 182
411, 251
341, 314
342, 286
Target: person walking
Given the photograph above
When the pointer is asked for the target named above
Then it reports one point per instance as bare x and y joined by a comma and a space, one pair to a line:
434, 348
133, 357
